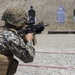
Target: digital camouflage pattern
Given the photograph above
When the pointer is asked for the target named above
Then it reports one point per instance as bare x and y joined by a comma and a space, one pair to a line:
15, 16
12, 44
11, 41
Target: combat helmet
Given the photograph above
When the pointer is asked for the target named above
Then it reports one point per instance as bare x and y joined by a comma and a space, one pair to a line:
15, 16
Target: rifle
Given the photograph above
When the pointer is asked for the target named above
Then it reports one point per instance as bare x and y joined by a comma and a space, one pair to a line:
36, 29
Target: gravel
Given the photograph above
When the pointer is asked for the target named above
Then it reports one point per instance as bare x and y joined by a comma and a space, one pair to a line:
55, 55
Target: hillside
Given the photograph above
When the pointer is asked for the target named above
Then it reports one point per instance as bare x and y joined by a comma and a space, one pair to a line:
45, 11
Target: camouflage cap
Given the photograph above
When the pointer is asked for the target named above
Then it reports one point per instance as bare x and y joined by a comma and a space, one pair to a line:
15, 16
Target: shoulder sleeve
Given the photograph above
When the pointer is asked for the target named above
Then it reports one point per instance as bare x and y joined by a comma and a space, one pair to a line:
24, 52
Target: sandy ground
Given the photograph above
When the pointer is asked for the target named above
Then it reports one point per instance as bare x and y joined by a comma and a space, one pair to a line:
55, 55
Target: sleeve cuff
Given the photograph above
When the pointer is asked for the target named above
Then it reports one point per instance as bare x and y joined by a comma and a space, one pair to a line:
29, 43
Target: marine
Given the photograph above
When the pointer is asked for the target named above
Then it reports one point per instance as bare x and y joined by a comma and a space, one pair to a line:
12, 44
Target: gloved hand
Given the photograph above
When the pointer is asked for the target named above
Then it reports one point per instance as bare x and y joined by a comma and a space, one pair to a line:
29, 36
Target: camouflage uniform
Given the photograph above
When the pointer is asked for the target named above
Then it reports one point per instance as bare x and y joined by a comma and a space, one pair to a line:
12, 44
